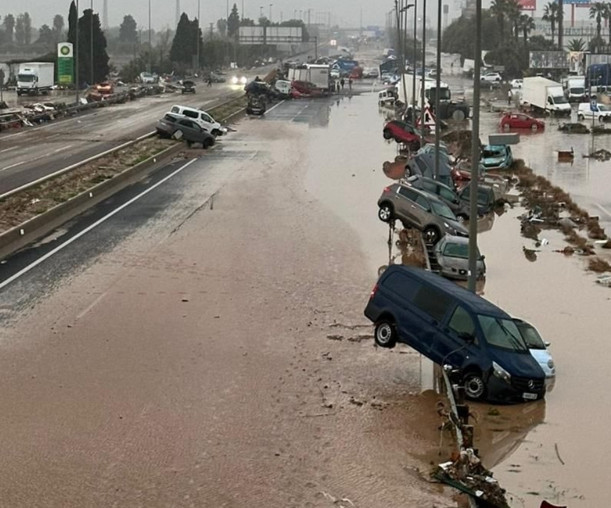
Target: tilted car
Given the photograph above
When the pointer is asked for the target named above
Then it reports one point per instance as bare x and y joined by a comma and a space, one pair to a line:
438, 189
420, 210
402, 132
491, 77
496, 157
511, 121
452, 255
181, 128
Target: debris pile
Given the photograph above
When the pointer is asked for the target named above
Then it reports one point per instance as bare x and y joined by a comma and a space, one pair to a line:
574, 128
600, 155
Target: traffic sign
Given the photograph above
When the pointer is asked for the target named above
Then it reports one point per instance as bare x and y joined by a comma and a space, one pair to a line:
593, 106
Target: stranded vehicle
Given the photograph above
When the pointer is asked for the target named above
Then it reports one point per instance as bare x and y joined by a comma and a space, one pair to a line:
453, 326
545, 95
35, 78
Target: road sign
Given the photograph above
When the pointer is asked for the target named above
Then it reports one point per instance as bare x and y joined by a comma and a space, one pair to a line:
593, 106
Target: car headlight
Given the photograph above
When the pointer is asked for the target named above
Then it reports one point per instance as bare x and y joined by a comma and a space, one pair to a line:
234, 80
449, 228
550, 363
243, 80
500, 372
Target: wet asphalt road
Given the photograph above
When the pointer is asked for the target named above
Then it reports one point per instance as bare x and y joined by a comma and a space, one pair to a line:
554, 450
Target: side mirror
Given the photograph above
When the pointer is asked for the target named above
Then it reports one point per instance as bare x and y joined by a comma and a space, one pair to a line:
482, 257
469, 338
547, 344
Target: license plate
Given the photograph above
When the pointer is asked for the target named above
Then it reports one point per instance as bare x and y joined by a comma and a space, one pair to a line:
529, 396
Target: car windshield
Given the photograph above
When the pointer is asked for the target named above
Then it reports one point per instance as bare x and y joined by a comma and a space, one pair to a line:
577, 90
530, 335
456, 250
442, 210
492, 152
502, 333
27, 78
602, 107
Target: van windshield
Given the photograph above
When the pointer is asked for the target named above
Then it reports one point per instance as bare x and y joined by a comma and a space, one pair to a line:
531, 336
26, 78
502, 333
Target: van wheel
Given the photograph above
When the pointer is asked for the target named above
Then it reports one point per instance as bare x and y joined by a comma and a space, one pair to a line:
385, 334
431, 235
177, 134
207, 143
475, 388
385, 212
580, 117
387, 134
534, 127
462, 217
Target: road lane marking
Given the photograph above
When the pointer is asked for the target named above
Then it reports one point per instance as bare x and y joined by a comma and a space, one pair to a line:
89, 228
13, 165
92, 305
603, 209
275, 106
8, 149
63, 148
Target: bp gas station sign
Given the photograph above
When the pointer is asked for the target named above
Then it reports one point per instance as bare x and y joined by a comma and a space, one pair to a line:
65, 63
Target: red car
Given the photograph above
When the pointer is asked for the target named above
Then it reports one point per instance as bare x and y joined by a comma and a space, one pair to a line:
305, 89
402, 132
520, 121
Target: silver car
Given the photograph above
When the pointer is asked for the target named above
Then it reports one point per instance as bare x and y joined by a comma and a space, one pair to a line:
452, 255
420, 210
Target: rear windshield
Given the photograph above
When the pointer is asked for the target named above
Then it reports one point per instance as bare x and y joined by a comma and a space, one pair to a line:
502, 333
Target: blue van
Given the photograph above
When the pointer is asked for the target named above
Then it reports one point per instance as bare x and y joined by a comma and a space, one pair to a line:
451, 325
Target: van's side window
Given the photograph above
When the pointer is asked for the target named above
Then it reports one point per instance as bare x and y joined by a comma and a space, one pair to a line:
174, 109
206, 118
432, 302
190, 114
461, 322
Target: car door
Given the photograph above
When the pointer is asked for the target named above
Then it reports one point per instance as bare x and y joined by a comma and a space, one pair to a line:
456, 342
190, 129
406, 204
422, 211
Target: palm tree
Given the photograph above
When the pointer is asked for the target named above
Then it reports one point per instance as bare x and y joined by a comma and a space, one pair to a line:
550, 14
560, 23
512, 11
598, 11
498, 9
527, 24
577, 45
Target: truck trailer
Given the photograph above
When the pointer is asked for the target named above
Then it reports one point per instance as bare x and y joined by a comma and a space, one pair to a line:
316, 74
34, 78
545, 95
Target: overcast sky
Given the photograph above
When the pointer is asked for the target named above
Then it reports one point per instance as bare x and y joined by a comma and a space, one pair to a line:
163, 12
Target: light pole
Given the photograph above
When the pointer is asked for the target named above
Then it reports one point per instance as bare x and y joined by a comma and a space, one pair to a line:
260, 12
150, 44
423, 98
91, 45
270, 12
76, 60
437, 85
197, 34
415, 59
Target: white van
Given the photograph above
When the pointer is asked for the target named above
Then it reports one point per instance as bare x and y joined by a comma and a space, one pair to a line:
283, 86
202, 118
387, 97
589, 110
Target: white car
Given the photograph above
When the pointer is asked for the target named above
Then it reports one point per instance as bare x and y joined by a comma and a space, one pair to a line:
538, 348
516, 83
239, 79
586, 110
491, 77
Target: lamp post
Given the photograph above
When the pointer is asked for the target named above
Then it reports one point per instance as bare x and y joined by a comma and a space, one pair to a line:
260, 12
91, 77
402, 45
150, 44
475, 149
423, 98
270, 12
197, 34
415, 53
76, 52
437, 86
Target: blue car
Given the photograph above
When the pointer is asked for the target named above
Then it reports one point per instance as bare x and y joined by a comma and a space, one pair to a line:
496, 157
453, 326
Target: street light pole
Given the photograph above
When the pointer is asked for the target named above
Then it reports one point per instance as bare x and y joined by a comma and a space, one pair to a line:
270, 12
76, 60
475, 149
414, 66
437, 86
91, 45
260, 12
150, 44
422, 77
197, 34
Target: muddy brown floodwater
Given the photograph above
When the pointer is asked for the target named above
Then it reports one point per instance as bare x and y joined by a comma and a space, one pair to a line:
555, 449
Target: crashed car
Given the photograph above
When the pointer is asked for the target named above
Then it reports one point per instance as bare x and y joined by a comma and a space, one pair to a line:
256, 105
496, 157
182, 128
538, 349
454, 327
188, 86
239, 79
452, 256
402, 132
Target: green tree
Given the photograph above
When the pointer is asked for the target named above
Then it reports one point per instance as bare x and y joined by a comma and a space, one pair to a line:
27, 28
233, 23
550, 14
247, 22
560, 24
128, 31
598, 12
186, 38
527, 24
46, 36
513, 15
221, 26
72, 22
499, 11
99, 64
577, 45
58, 27
9, 26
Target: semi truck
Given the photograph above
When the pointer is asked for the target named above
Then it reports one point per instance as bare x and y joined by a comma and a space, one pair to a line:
312, 73
448, 108
34, 78
545, 95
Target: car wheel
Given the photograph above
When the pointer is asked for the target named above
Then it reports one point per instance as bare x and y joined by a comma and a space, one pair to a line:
580, 117
534, 127
207, 143
177, 134
475, 388
385, 334
506, 127
387, 134
385, 212
458, 115
431, 235
189, 144
601, 119
462, 217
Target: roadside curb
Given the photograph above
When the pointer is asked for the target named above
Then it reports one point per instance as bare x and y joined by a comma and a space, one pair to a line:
32, 230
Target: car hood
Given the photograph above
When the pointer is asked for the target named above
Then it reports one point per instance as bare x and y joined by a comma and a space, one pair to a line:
542, 357
517, 364
494, 161
458, 226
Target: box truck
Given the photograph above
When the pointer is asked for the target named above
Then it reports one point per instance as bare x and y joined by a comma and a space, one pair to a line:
312, 73
35, 78
448, 109
543, 94
575, 89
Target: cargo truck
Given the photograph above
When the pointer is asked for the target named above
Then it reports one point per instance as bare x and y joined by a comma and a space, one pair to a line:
545, 95
316, 74
448, 109
34, 78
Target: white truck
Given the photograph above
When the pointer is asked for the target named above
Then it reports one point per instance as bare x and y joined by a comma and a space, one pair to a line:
447, 107
316, 74
543, 94
575, 89
34, 78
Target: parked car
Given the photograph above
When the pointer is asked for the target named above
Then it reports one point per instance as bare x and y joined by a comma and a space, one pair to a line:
181, 128
305, 89
456, 327
452, 254
371, 72
188, 86
423, 163
420, 210
202, 118
491, 77
516, 83
216, 77
146, 78
443, 192
538, 348
496, 157
402, 132
486, 197
587, 111
520, 121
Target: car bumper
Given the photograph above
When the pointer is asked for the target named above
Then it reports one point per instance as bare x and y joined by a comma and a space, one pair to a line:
502, 391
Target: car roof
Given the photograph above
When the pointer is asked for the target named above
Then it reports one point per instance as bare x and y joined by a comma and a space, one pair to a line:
474, 302
429, 180
423, 193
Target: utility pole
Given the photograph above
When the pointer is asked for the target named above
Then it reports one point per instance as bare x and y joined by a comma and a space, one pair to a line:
423, 98
415, 53
197, 34
150, 43
437, 86
76, 60
270, 12
475, 149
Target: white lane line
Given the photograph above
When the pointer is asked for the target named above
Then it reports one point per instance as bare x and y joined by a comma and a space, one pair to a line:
63, 148
41, 259
8, 149
93, 304
275, 106
603, 209
13, 165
